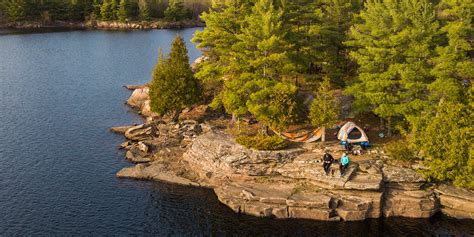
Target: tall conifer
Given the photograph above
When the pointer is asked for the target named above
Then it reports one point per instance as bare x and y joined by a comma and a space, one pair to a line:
394, 43
173, 86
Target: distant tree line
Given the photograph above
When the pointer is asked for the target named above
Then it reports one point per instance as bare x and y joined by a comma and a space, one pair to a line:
409, 62
105, 10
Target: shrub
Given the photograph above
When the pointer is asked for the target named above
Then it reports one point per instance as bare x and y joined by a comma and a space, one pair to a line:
263, 142
400, 150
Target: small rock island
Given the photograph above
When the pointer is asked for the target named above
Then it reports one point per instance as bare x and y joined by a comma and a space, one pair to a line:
289, 183
274, 91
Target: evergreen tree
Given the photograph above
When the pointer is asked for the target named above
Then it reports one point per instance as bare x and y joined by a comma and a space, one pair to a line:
394, 42
173, 86
337, 19
259, 60
453, 63
176, 11
143, 10
123, 11
15, 9
276, 104
96, 9
106, 10
262, 48
324, 110
446, 142
115, 9
302, 21
223, 24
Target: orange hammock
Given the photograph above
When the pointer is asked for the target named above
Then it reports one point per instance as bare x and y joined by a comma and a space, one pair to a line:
303, 136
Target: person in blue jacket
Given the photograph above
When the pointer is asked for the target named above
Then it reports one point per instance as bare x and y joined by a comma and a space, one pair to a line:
344, 163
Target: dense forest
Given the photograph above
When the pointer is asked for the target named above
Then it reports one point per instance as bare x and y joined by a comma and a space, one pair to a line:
105, 10
408, 62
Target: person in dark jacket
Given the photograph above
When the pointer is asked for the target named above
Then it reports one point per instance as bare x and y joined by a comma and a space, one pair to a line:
327, 161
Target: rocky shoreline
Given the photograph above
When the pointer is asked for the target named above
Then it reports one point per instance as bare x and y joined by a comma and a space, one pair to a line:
103, 25
281, 184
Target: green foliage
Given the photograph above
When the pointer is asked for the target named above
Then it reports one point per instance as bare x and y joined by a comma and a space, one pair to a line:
176, 11
15, 9
262, 48
82, 10
122, 14
400, 150
173, 86
106, 10
393, 47
223, 24
95, 10
251, 73
276, 104
453, 63
325, 107
445, 139
144, 10
262, 142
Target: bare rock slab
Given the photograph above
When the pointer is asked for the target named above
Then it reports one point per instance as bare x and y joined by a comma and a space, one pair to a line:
456, 202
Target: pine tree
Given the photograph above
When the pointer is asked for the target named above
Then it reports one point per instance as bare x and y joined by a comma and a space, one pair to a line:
15, 9
115, 9
106, 10
393, 44
143, 10
262, 48
302, 21
176, 11
123, 11
324, 110
337, 19
173, 86
276, 104
446, 142
223, 24
453, 64
96, 9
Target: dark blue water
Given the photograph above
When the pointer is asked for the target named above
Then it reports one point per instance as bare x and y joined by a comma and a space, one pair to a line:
59, 94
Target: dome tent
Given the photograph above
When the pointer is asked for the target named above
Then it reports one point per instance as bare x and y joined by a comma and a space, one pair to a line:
344, 134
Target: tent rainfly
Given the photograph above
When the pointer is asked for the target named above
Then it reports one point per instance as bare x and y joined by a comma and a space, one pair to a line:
343, 134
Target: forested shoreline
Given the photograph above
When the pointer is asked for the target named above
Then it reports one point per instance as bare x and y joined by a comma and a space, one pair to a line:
48, 12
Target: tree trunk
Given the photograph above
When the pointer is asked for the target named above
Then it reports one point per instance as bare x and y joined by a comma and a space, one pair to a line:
389, 127
175, 115
382, 123
323, 134
265, 130
238, 125
234, 118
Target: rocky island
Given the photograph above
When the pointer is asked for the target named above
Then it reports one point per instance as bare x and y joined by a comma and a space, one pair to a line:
289, 183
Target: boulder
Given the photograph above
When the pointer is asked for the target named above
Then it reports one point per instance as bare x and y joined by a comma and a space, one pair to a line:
156, 172
219, 154
141, 132
402, 178
121, 129
286, 200
140, 100
413, 204
135, 155
456, 202
135, 87
198, 113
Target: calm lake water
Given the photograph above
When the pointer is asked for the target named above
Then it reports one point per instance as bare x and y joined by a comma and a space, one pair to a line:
59, 94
